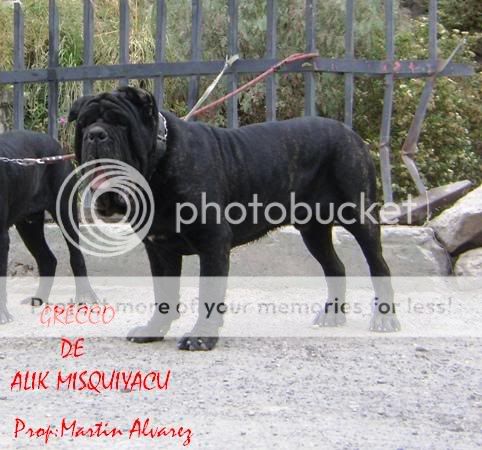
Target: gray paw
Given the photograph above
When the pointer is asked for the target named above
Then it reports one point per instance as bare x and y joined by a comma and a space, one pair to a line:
86, 297
384, 323
329, 319
5, 316
145, 334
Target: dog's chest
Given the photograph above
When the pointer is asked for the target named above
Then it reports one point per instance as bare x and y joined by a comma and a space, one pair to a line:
173, 242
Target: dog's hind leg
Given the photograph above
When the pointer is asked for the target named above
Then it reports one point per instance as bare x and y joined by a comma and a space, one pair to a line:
5, 316
166, 269
356, 183
383, 309
31, 230
319, 241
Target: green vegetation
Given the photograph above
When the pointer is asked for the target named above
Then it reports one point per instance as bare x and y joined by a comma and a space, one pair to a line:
450, 145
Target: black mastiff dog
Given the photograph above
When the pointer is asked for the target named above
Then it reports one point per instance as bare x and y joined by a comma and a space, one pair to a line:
26, 192
320, 161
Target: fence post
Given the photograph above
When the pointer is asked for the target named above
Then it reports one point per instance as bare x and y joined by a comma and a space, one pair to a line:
432, 38
161, 15
123, 36
19, 64
232, 107
310, 85
385, 130
53, 97
88, 43
350, 55
271, 37
196, 51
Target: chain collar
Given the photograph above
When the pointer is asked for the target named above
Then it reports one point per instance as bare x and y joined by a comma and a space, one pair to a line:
162, 131
161, 145
37, 161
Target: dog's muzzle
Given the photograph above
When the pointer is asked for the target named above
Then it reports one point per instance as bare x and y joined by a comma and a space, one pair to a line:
97, 135
107, 202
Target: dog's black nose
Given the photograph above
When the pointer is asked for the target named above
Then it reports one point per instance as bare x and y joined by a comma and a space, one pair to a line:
97, 134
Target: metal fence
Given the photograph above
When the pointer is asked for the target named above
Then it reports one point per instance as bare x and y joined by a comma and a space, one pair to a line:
349, 66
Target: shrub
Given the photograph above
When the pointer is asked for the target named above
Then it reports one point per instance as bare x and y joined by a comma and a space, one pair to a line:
451, 134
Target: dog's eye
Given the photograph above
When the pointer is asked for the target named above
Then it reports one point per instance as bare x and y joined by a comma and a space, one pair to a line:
84, 123
114, 119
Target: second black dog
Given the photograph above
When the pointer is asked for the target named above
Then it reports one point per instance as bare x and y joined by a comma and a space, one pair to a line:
26, 192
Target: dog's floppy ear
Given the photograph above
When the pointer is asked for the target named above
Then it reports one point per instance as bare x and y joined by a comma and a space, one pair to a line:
77, 106
143, 100
73, 116
144, 127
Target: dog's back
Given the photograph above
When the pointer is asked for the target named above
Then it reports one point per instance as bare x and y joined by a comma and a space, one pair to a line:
28, 144
25, 190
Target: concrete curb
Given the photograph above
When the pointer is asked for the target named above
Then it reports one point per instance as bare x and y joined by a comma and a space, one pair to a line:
410, 251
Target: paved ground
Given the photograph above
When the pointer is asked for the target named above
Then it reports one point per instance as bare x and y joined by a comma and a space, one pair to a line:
341, 388
264, 307
273, 382
328, 393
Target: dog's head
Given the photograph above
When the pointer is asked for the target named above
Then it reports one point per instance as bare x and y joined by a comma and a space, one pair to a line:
121, 125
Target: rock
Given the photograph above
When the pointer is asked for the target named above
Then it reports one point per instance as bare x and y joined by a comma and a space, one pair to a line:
415, 212
460, 227
419, 348
469, 264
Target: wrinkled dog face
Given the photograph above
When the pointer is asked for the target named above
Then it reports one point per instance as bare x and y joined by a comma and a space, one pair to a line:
121, 125
104, 134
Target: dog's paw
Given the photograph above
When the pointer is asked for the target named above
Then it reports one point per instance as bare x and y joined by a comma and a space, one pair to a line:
329, 319
384, 323
145, 334
5, 316
32, 301
192, 343
86, 297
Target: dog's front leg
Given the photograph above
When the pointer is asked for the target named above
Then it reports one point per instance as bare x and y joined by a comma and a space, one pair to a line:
5, 316
166, 269
212, 289
69, 221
